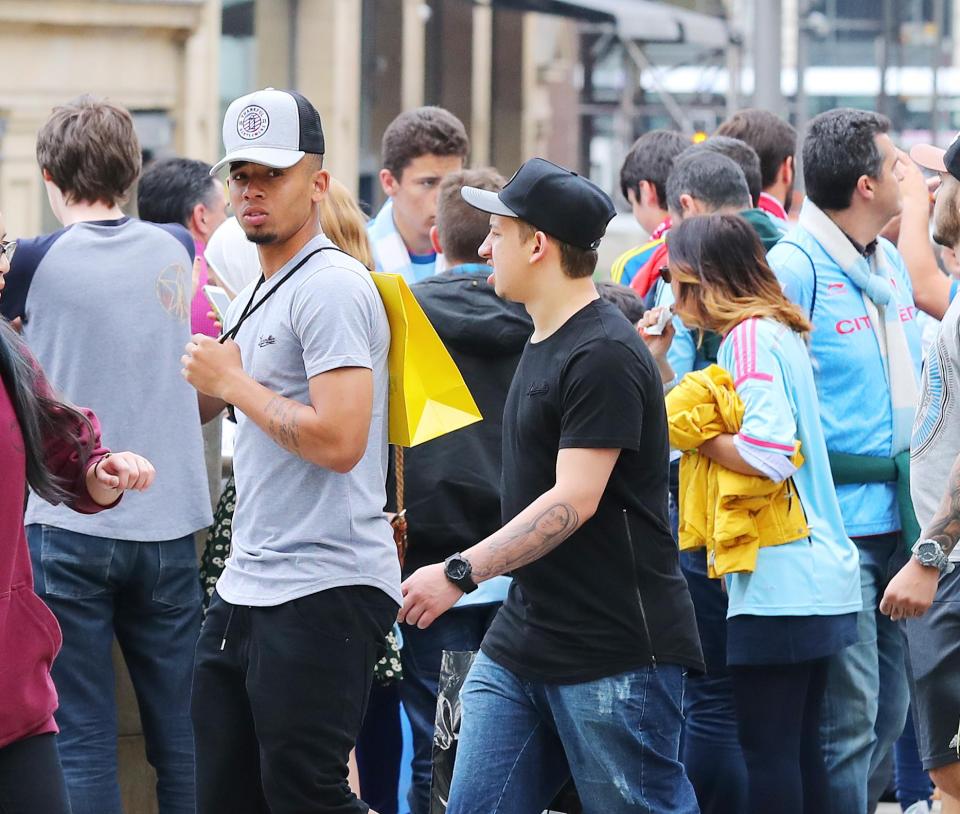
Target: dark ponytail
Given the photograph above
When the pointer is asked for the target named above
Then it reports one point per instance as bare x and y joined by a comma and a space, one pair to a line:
42, 419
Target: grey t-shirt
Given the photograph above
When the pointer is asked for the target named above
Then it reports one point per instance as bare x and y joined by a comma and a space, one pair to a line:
299, 528
936, 431
106, 310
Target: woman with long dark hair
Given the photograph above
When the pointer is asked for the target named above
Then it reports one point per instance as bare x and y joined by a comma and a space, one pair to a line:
55, 449
798, 606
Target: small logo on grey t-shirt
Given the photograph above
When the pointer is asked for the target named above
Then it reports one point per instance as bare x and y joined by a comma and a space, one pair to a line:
173, 292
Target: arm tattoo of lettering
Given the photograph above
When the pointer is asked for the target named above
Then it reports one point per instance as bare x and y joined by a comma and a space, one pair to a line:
945, 526
284, 426
512, 548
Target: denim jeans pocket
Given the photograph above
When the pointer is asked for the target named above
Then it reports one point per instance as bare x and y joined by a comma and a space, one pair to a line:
178, 575
75, 566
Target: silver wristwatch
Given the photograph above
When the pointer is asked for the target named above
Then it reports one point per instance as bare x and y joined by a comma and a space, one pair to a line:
929, 553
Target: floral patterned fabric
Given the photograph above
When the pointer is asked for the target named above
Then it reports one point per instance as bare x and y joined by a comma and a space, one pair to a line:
216, 549
388, 669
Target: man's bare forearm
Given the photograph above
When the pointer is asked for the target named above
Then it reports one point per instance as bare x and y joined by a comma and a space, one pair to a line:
283, 422
931, 286
279, 417
721, 449
331, 431
289, 423
945, 526
532, 534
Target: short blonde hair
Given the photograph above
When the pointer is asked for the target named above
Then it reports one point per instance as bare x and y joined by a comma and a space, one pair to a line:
344, 223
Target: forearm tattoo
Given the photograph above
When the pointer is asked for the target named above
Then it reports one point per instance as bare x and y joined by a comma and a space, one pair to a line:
945, 526
512, 548
283, 424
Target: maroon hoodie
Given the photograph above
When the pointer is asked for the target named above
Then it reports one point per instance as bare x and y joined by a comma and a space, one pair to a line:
29, 634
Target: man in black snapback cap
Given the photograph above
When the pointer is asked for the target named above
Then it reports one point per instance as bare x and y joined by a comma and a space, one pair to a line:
581, 672
925, 594
557, 201
932, 289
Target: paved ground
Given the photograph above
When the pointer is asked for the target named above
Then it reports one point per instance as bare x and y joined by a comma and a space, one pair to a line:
893, 808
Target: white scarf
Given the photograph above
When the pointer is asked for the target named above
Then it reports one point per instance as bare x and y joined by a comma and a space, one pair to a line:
389, 251
874, 278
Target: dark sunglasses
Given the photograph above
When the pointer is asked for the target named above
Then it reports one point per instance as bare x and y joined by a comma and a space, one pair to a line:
665, 274
8, 247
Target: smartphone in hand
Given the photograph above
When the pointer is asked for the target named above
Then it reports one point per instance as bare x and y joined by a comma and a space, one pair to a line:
218, 299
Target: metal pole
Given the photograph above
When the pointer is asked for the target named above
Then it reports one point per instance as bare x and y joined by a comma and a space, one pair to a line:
674, 108
734, 68
935, 60
767, 56
628, 103
802, 60
481, 84
883, 99
293, 57
734, 10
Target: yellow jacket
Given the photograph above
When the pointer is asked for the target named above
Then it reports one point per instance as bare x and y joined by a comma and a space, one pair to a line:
729, 513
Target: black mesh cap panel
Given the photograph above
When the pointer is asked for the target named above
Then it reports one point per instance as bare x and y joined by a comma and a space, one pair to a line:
311, 131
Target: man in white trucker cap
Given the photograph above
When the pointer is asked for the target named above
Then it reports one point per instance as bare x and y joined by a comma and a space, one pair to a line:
286, 655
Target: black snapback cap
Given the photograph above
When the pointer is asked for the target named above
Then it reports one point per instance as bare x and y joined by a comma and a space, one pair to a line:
552, 199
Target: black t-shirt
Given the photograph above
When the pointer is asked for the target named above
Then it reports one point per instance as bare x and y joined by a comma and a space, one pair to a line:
603, 602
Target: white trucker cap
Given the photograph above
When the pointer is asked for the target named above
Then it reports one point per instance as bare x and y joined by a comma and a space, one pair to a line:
275, 128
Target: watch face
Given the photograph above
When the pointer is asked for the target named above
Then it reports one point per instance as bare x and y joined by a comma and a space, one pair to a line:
457, 569
928, 551
927, 547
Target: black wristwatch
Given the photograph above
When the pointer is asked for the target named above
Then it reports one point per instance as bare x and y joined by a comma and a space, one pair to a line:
458, 570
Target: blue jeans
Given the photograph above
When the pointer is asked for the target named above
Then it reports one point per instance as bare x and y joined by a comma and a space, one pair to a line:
459, 629
912, 782
865, 705
711, 747
379, 750
148, 596
618, 737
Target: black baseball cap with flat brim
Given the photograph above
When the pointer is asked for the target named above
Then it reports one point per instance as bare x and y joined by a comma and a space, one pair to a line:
938, 159
552, 199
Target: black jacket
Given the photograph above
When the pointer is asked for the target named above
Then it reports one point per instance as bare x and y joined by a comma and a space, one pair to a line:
452, 483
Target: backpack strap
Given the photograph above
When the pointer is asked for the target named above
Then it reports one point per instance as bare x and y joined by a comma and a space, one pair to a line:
813, 268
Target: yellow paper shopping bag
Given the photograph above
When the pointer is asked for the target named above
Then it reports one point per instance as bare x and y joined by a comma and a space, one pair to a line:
428, 396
